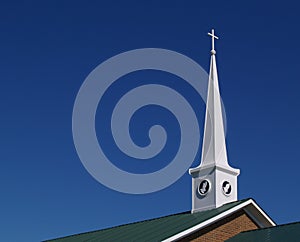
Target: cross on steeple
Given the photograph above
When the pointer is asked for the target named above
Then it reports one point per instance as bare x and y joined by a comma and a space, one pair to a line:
213, 37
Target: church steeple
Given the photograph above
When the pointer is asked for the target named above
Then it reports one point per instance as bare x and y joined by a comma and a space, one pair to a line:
214, 181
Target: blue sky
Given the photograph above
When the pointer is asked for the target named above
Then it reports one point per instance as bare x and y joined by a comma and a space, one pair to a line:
47, 50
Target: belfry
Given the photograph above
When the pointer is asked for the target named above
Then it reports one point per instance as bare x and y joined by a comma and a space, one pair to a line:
214, 182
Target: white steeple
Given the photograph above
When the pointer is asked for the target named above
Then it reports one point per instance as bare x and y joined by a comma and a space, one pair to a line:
214, 182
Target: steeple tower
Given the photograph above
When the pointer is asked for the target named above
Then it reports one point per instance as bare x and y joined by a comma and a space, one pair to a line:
214, 182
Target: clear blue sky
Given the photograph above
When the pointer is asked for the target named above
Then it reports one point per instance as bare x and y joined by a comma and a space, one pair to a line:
49, 47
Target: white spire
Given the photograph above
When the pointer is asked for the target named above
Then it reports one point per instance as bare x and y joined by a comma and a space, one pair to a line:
214, 150
214, 146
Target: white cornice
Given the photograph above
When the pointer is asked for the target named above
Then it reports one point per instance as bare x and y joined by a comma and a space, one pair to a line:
211, 167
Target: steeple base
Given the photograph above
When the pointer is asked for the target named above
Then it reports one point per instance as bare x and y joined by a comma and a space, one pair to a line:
213, 187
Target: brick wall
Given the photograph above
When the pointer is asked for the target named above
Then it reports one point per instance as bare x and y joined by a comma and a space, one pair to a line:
223, 229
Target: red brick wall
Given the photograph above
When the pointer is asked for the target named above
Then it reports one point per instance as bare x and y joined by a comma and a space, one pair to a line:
223, 229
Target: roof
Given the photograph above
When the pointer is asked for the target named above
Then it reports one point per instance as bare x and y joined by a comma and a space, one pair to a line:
167, 228
286, 232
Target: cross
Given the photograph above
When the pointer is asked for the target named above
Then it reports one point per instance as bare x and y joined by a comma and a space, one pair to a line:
213, 37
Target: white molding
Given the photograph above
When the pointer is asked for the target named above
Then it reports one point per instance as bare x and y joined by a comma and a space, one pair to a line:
220, 216
211, 167
262, 213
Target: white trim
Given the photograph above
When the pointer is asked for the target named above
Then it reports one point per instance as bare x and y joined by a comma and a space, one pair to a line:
272, 223
218, 217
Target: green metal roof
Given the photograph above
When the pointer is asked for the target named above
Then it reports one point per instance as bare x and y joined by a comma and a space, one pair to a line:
286, 232
151, 230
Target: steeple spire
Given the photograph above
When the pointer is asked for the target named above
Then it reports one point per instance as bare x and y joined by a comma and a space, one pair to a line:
214, 146
213, 174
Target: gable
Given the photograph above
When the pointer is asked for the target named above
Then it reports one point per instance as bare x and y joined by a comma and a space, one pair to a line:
249, 207
224, 229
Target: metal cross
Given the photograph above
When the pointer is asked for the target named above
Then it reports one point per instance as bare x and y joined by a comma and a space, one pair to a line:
213, 37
